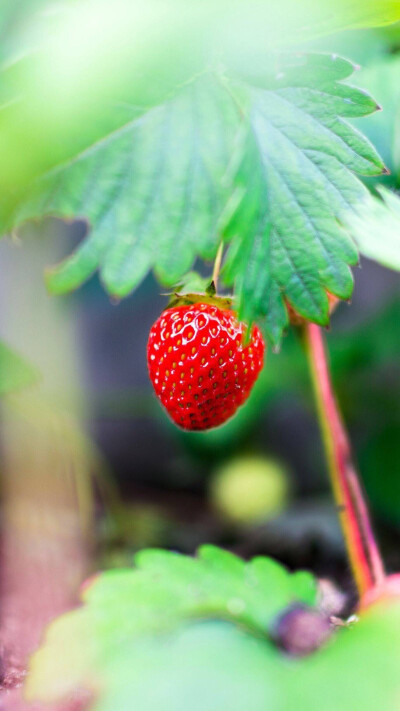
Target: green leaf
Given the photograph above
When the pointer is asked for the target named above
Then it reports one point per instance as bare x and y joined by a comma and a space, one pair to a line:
219, 667
15, 372
211, 665
376, 228
158, 192
143, 641
164, 591
18, 35
297, 179
153, 192
346, 14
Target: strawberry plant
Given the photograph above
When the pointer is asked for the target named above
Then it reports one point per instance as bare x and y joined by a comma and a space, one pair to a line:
223, 133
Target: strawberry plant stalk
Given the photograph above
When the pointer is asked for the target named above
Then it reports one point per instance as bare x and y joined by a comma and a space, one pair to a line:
217, 264
362, 549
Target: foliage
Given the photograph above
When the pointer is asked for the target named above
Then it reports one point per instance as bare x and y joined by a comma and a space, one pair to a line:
298, 185
150, 639
381, 78
15, 372
153, 192
255, 148
168, 178
216, 666
164, 590
379, 460
378, 217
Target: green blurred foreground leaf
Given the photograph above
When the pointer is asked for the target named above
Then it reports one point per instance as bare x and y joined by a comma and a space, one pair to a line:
164, 591
211, 665
271, 166
216, 666
144, 640
15, 372
68, 68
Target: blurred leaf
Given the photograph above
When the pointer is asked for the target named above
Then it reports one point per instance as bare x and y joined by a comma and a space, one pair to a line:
216, 665
376, 228
162, 592
209, 666
357, 13
23, 24
90, 59
15, 372
381, 78
297, 181
292, 21
219, 667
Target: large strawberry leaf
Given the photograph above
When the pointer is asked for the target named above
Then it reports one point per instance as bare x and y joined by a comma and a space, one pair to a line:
157, 191
298, 180
164, 591
153, 192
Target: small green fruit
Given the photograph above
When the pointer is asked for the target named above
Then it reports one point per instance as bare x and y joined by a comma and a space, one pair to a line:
250, 489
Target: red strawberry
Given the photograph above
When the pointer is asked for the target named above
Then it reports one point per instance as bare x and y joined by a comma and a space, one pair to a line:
200, 367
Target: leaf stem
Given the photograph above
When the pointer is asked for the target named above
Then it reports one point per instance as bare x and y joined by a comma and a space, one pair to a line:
362, 549
217, 264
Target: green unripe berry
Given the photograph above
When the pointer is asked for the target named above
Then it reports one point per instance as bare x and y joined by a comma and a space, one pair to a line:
250, 489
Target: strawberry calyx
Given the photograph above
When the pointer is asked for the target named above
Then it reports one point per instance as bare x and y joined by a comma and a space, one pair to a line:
209, 296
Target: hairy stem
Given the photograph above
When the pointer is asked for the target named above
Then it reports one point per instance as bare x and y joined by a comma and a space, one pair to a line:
363, 552
217, 264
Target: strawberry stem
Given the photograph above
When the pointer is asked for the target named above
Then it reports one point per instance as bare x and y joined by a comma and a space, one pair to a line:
217, 265
362, 549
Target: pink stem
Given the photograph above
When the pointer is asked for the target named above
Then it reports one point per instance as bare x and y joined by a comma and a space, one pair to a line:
362, 548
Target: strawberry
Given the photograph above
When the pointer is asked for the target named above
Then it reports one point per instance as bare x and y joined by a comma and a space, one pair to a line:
200, 366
